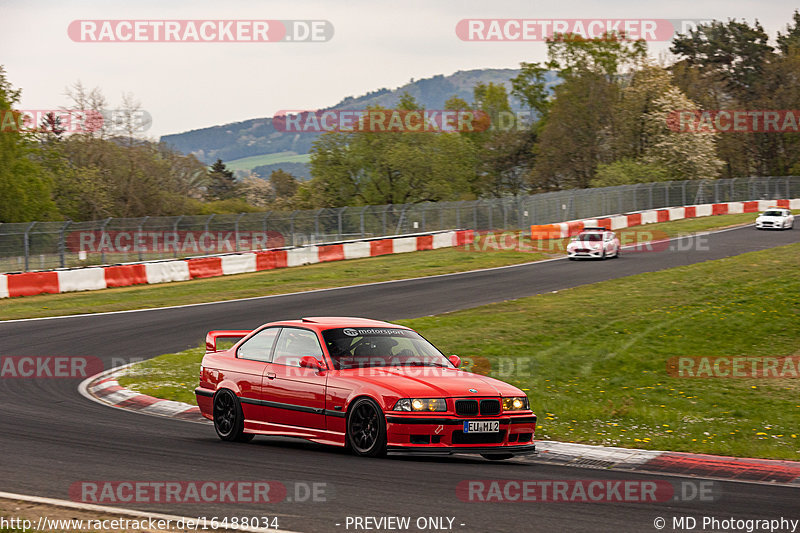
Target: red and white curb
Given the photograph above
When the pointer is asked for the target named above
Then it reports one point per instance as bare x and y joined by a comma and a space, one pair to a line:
672, 463
668, 214
105, 389
151, 272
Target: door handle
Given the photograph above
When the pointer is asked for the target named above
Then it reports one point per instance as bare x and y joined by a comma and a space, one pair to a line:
270, 375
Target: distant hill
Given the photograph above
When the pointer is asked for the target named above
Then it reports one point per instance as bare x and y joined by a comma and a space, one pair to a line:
257, 137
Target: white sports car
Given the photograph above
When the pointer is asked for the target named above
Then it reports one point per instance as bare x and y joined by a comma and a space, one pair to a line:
775, 218
597, 243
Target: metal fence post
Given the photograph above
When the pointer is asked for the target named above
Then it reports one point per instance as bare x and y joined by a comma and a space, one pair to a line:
264, 228
27, 244
62, 245
236, 231
363, 223
291, 226
103, 234
339, 223
138, 236
316, 225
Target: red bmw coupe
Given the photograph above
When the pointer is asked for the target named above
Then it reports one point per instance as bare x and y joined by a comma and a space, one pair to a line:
371, 386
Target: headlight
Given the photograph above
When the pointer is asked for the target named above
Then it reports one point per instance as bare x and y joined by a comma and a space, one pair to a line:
420, 404
515, 404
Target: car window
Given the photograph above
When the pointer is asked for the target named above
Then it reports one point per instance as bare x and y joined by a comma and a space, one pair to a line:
295, 343
259, 346
367, 347
590, 237
773, 214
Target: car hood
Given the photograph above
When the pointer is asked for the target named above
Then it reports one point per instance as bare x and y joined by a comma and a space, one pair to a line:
762, 217
585, 244
423, 382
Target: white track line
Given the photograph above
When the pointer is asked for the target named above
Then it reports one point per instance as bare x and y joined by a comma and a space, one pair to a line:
121, 511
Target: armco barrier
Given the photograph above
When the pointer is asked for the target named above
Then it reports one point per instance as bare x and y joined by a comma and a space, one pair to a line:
573, 227
125, 275
93, 278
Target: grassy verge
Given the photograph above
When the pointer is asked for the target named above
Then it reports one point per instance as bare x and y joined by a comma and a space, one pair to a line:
319, 276
593, 358
281, 281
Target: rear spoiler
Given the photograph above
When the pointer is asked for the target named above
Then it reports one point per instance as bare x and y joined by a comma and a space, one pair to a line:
211, 338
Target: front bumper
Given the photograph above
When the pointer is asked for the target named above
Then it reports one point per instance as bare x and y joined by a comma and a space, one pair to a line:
444, 434
770, 224
582, 252
527, 449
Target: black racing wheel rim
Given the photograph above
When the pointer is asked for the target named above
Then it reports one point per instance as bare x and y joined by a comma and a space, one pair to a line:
224, 413
364, 427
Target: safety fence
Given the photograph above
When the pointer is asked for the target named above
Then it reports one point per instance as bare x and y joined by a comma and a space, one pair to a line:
66, 244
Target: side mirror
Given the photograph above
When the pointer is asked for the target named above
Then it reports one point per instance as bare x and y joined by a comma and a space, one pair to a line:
456, 360
309, 361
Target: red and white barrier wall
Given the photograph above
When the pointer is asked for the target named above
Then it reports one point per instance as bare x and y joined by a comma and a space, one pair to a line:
573, 227
93, 278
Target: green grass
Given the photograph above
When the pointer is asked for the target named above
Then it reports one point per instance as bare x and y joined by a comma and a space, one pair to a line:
335, 274
593, 359
249, 163
280, 281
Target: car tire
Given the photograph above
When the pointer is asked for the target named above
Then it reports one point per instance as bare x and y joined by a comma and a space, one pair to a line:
603, 257
497, 456
366, 428
616, 255
228, 417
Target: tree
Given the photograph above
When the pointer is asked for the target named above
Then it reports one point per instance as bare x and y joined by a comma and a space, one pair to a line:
283, 184
577, 134
25, 184
531, 88
222, 183
256, 191
684, 155
390, 167
627, 171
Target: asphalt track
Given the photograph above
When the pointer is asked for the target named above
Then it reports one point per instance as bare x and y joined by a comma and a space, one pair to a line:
51, 437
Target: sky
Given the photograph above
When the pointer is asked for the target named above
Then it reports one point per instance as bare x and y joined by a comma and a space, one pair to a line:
375, 44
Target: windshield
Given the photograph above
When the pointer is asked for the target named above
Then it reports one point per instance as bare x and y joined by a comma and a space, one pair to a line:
773, 213
587, 237
367, 347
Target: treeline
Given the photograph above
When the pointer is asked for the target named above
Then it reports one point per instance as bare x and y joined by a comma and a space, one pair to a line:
605, 123
58, 170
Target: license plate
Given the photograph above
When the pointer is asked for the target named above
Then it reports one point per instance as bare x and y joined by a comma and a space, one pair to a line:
481, 426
